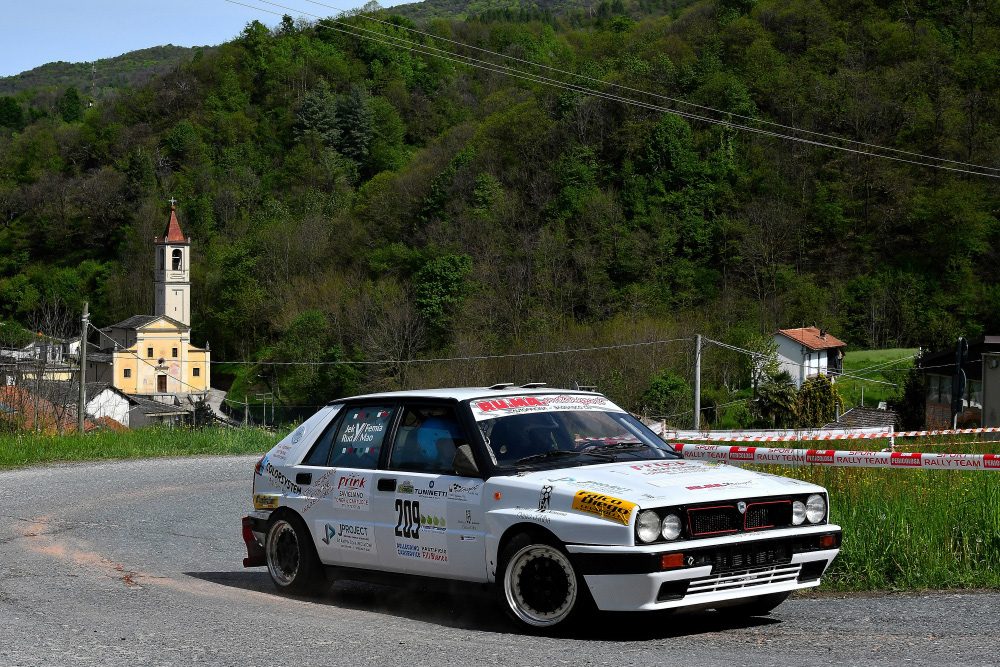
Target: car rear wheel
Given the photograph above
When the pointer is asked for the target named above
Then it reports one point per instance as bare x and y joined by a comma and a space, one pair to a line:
537, 584
291, 557
761, 606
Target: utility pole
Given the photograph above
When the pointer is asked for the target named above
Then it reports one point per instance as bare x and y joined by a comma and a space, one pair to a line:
81, 409
697, 381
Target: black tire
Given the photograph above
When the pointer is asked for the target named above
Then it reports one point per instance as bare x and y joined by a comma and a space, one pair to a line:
537, 584
761, 606
291, 556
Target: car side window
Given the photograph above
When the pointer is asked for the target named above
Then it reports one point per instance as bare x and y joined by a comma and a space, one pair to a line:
356, 441
426, 440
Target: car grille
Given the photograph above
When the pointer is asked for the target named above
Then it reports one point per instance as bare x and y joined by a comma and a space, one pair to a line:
768, 514
727, 581
721, 519
714, 520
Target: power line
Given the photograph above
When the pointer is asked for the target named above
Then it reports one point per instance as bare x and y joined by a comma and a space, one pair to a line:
383, 362
536, 78
650, 94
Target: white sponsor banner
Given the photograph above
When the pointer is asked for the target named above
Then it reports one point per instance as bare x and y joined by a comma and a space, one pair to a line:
490, 408
830, 457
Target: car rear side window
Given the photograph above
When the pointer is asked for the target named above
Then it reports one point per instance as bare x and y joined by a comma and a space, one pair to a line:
357, 440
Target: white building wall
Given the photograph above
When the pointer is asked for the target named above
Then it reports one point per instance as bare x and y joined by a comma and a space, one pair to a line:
109, 404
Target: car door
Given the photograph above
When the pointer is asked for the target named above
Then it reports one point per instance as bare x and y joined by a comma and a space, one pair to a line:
428, 519
340, 510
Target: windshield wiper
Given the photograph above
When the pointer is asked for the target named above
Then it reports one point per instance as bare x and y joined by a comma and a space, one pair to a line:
559, 452
622, 447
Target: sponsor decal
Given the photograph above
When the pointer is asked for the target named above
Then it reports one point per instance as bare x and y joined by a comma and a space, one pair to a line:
405, 550
431, 492
662, 468
533, 515
820, 456
321, 488
720, 485
437, 554
405, 487
279, 479
297, 435
281, 452
465, 492
351, 536
991, 460
909, 459
259, 468
428, 522
265, 501
742, 453
545, 498
606, 507
468, 523
352, 491
591, 485
467, 538
511, 405
363, 432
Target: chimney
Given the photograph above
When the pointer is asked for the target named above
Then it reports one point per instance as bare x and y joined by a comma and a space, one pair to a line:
822, 334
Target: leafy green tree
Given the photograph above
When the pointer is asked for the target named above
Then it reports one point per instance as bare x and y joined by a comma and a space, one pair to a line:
667, 394
318, 114
818, 402
11, 114
439, 287
355, 118
909, 401
776, 402
70, 106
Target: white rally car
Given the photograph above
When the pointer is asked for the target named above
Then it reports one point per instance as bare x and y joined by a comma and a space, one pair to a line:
561, 499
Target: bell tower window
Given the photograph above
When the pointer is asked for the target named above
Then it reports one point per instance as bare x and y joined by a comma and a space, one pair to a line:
177, 260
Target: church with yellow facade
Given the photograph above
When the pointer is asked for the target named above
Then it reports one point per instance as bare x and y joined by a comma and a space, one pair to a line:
151, 356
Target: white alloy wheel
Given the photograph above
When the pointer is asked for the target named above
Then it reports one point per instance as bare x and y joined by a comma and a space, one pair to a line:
284, 555
540, 585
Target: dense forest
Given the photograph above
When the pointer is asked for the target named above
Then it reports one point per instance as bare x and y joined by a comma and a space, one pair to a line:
102, 77
350, 200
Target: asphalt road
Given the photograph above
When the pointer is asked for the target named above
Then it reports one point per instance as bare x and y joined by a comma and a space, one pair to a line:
140, 562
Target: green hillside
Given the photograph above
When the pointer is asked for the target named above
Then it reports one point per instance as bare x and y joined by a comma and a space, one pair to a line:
352, 200
129, 69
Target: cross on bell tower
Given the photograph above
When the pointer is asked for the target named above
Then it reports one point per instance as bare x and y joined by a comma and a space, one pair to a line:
173, 271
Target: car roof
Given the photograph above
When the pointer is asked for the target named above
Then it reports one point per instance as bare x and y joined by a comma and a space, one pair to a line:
466, 393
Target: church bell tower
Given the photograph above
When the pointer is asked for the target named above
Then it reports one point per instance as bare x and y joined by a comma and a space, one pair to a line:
173, 272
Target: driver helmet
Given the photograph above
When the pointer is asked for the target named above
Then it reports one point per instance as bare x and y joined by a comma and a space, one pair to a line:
433, 430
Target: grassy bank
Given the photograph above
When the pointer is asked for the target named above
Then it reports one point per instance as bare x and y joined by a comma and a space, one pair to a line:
25, 450
911, 529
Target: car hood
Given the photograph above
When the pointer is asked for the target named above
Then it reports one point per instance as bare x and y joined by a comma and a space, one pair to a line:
659, 482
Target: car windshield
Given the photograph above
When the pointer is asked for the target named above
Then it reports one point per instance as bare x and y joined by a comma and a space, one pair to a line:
570, 437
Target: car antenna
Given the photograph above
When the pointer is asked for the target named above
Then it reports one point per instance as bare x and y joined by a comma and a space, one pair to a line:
501, 385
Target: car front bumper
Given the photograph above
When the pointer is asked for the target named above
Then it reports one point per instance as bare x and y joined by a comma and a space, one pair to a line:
714, 572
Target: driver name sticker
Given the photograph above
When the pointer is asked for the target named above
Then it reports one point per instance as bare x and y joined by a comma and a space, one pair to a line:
606, 507
512, 405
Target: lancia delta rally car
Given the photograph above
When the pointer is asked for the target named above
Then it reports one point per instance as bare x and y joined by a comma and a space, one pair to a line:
559, 499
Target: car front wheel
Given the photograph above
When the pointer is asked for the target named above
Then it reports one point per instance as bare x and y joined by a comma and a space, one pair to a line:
291, 557
537, 583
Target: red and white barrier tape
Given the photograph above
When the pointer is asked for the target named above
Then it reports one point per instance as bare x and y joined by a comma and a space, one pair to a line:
721, 436
830, 457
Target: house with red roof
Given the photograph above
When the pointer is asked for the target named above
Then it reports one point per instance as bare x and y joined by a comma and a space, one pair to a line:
808, 352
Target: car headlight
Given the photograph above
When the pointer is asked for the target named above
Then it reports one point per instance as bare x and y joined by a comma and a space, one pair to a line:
648, 526
815, 508
798, 513
670, 529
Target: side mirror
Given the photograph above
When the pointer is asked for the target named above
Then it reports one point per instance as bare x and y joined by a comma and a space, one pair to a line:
464, 463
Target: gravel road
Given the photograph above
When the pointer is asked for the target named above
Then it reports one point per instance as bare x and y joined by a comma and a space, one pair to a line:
140, 562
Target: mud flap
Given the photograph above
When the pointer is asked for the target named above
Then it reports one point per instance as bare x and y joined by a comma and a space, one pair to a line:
255, 552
